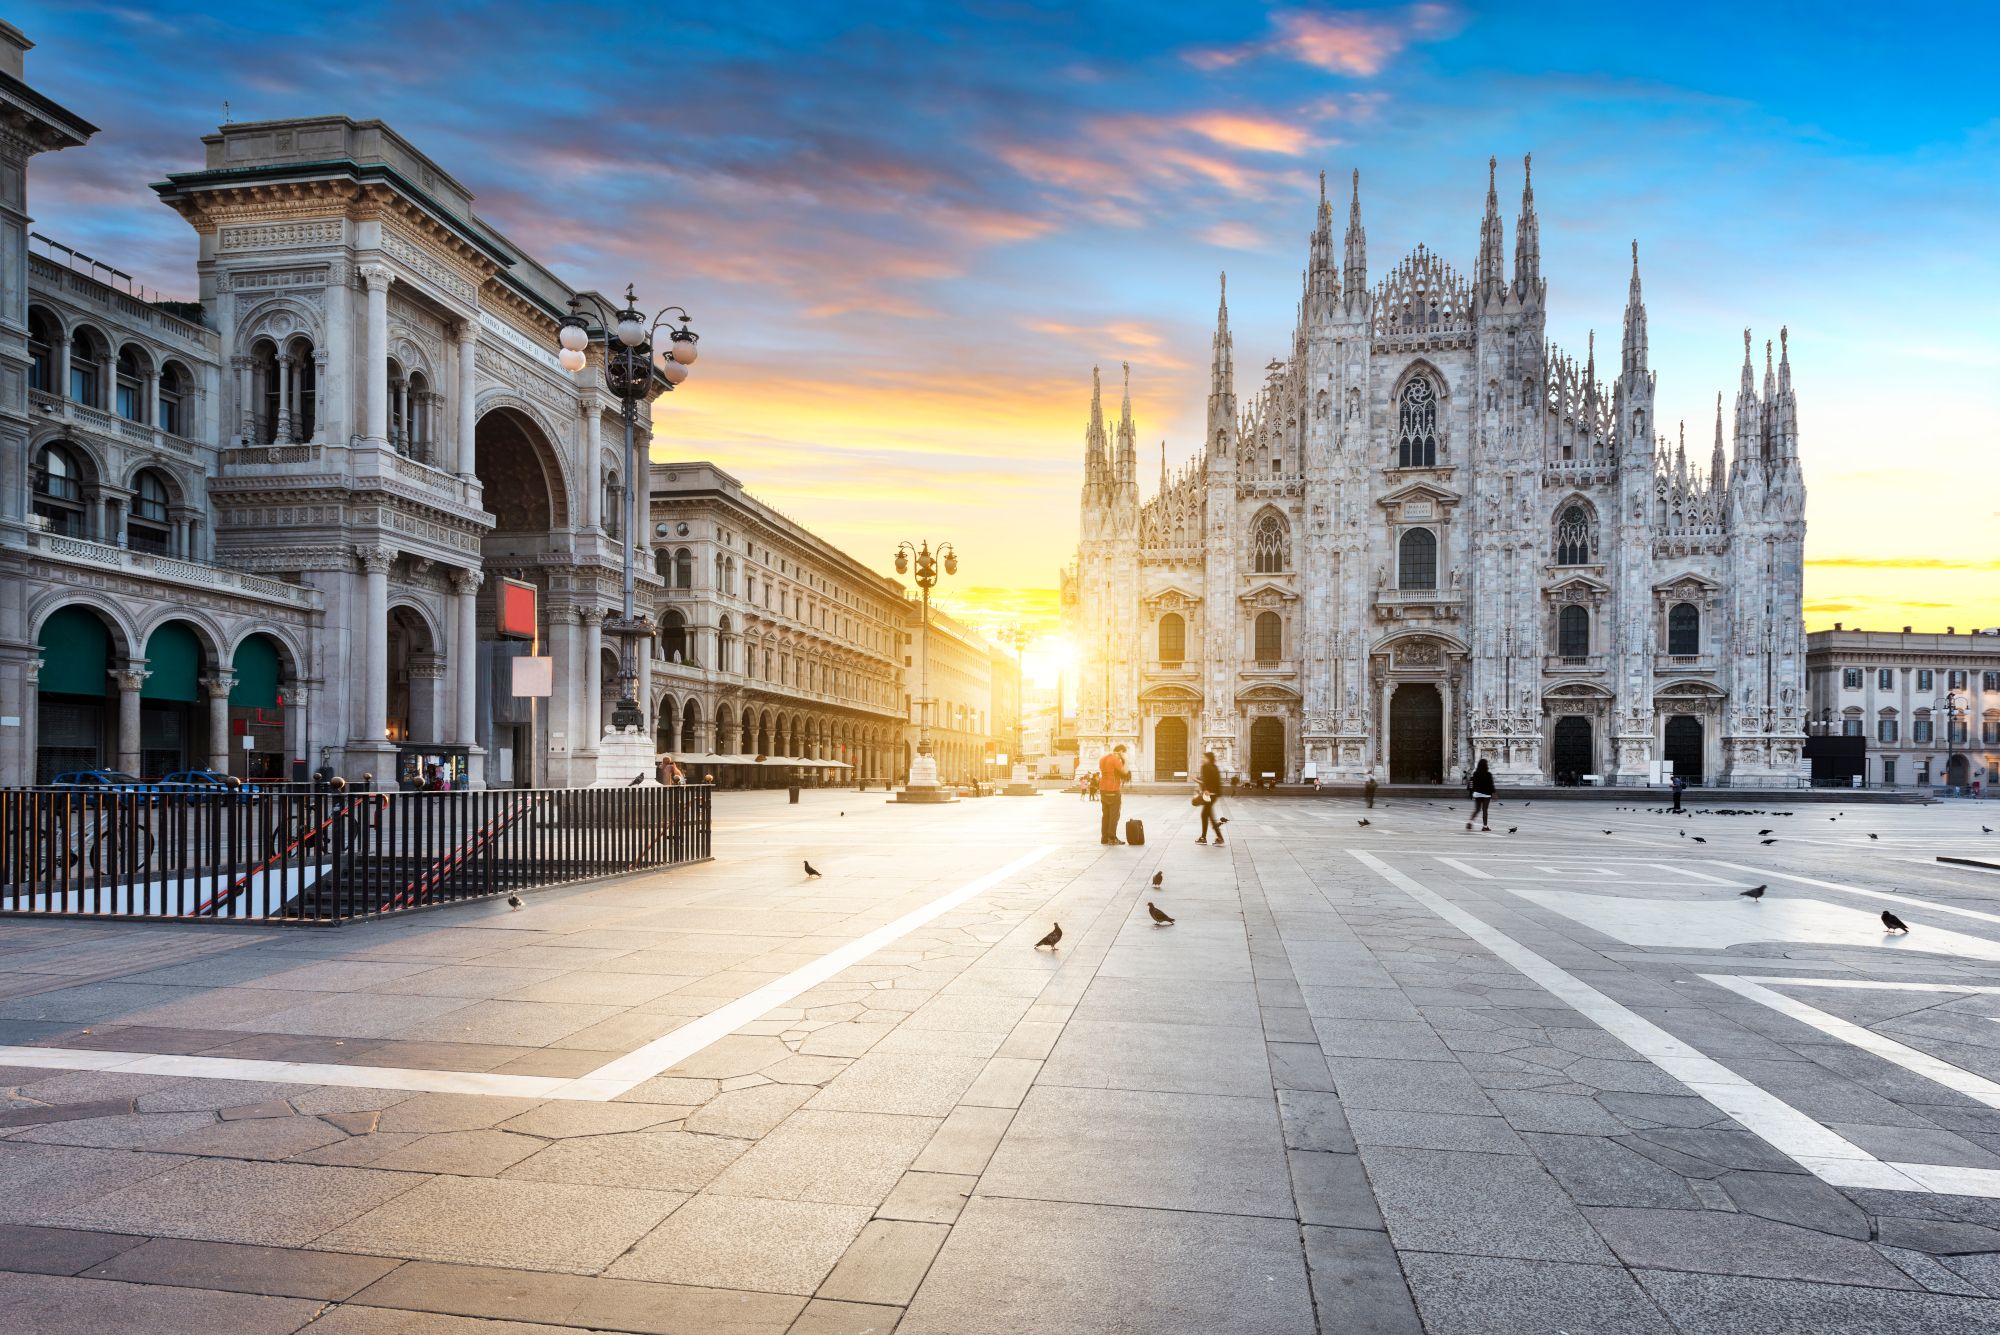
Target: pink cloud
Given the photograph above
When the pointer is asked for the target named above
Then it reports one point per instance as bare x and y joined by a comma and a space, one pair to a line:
1356, 43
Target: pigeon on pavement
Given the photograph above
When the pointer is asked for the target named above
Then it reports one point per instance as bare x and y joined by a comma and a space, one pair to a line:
1767, 841
514, 903
1512, 828
811, 875
1364, 822
1607, 832
1893, 923
1159, 918
1158, 878
1754, 892
1874, 836
1698, 839
1763, 831
1051, 939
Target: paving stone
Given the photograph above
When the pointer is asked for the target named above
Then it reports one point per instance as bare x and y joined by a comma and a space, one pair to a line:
130, 1131
1701, 1304
60, 1305
1941, 1237
41, 1114
1357, 1284
451, 1112
929, 1198
1097, 1268
1165, 1151
382, 1321
1653, 1110
535, 1225
823, 1316
353, 1123
209, 1095
1333, 1190
228, 1200
1314, 1120
838, 1158
965, 1141
256, 1138
1595, 1171
1395, 1086
1436, 1131
737, 1242
58, 1251
1740, 1244
1536, 1110
748, 1114
1902, 1144
275, 1271
1478, 1204
1484, 1295
885, 1263
1720, 1147
466, 1153
1796, 1198
895, 1083
1929, 1271
1175, 1058
662, 1160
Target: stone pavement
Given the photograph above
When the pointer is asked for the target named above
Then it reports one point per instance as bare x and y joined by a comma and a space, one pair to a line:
1391, 1078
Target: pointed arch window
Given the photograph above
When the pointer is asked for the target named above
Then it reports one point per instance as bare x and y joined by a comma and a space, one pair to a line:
1576, 541
1271, 545
1417, 563
1417, 424
1683, 629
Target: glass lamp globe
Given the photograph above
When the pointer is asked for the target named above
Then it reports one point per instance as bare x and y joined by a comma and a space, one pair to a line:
683, 352
673, 372
572, 360
631, 331
902, 563
573, 337
951, 564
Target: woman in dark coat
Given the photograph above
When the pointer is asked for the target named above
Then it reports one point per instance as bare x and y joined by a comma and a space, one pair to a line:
1480, 788
1210, 794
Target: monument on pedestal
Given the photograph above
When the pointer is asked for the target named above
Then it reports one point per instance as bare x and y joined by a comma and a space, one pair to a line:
922, 785
1019, 784
625, 759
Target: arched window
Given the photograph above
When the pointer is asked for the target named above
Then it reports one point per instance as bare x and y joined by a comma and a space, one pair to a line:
59, 490
1683, 629
130, 399
724, 644
175, 387
1271, 545
663, 565
1416, 425
44, 336
1417, 564
673, 636
1270, 638
417, 416
86, 383
683, 569
1173, 638
286, 390
614, 504
1573, 632
1575, 543
146, 529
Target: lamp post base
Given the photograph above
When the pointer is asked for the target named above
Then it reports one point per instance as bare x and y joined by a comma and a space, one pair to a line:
1020, 784
625, 759
923, 786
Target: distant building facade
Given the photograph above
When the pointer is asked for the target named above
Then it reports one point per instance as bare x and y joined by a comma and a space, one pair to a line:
1927, 705
1431, 538
959, 680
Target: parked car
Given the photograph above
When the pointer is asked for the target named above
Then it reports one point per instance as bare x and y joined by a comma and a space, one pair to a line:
206, 783
115, 780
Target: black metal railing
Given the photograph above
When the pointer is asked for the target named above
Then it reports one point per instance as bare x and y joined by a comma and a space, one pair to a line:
302, 856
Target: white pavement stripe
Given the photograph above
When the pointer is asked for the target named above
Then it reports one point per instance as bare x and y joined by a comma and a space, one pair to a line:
620, 1074
1888, 1049
1901, 901
1883, 987
1780, 1125
606, 1082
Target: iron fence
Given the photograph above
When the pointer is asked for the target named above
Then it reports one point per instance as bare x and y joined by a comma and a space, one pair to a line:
304, 856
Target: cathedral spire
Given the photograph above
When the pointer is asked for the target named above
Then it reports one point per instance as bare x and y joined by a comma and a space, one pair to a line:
1127, 449
1527, 236
1749, 415
1222, 372
1590, 364
1716, 467
1491, 278
1354, 272
1635, 321
1096, 451
1322, 283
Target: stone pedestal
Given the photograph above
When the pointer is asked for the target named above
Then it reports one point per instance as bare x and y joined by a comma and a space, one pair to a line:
922, 786
625, 754
1019, 784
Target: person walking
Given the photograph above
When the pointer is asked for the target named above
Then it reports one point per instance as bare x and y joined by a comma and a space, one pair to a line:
1368, 790
1111, 774
1210, 794
1480, 788
1679, 786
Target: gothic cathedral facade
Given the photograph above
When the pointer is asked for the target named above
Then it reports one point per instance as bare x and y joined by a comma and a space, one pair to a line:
1430, 538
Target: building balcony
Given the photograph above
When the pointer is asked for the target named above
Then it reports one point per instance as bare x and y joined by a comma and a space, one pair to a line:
170, 570
1573, 665
1419, 604
46, 407
1681, 664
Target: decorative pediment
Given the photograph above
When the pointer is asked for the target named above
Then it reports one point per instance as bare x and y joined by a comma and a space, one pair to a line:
1269, 691
1427, 645
1688, 690
1170, 693
1266, 594
1576, 690
1688, 586
1579, 589
1173, 598
1419, 501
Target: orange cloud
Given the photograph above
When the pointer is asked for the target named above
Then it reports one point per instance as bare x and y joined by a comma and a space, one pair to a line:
1234, 236
1356, 43
1257, 133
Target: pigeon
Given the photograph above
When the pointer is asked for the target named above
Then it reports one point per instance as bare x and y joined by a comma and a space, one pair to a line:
1754, 892
1051, 939
1893, 923
1512, 828
811, 875
514, 903
1698, 839
1986, 829
1159, 918
1159, 878
1683, 833
1767, 841
1607, 832
637, 779
1763, 831
1364, 821
1874, 836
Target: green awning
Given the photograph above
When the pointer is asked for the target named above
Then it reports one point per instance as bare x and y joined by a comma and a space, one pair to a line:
173, 664
76, 654
256, 669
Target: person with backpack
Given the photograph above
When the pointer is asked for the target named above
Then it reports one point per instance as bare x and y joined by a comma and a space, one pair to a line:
1480, 789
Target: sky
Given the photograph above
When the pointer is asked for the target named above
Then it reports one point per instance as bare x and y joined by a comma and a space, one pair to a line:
907, 232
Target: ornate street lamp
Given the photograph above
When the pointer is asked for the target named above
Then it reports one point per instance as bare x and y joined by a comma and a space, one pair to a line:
636, 366
923, 771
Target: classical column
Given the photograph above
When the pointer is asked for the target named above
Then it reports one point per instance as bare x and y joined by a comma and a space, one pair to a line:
593, 488
376, 276
285, 411
375, 562
468, 396
642, 651
405, 426
129, 679
153, 398
296, 697
218, 687
465, 653
593, 673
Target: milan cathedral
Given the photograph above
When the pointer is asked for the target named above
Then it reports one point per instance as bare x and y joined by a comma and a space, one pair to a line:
1431, 537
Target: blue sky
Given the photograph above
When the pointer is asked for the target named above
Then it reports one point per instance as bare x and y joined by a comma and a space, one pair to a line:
906, 240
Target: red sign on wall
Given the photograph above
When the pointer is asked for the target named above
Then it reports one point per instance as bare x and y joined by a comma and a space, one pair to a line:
515, 611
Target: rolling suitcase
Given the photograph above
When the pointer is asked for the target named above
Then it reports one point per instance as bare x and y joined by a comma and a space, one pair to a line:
1135, 833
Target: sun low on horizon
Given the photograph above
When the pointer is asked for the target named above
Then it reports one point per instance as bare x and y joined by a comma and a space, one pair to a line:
901, 311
